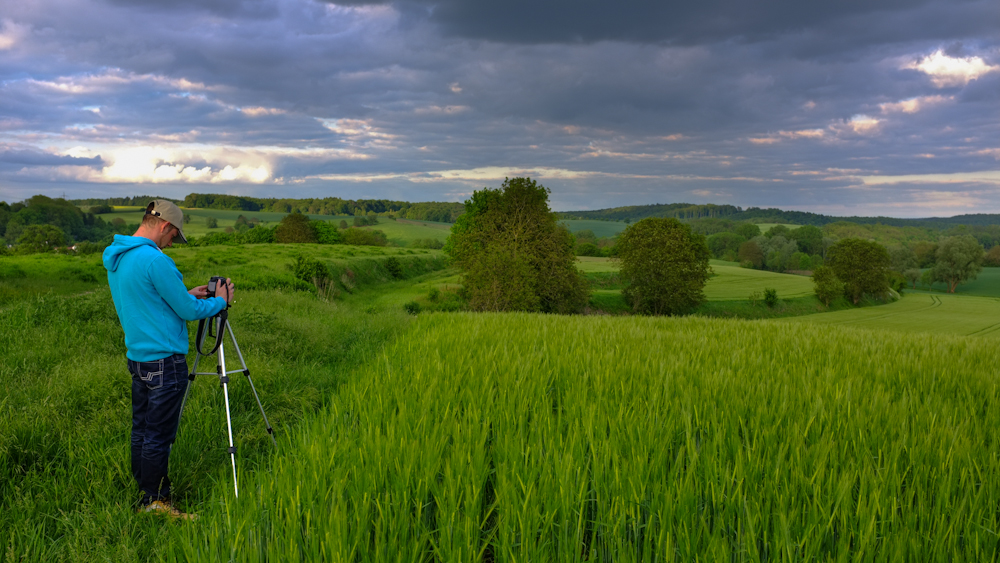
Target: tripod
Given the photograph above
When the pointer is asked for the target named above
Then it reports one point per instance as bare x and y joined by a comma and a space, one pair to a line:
221, 327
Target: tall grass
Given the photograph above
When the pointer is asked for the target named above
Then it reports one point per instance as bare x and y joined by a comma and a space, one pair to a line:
543, 438
66, 492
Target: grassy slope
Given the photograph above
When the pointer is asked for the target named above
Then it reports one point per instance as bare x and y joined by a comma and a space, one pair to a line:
731, 283
601, 229
986, 284
65, 489
921, 313
548, 438
402, 232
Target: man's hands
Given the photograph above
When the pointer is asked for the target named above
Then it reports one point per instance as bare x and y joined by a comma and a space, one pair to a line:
224, 291
201, 292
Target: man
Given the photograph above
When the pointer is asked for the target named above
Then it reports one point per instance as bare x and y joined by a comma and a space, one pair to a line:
153, 305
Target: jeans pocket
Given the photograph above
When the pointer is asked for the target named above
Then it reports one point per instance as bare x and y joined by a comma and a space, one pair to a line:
151, 373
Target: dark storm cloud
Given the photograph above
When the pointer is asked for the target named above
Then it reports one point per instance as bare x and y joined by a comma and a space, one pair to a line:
685, 23
770, 103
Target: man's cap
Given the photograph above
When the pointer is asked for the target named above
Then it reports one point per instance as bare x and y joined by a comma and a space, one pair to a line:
170, 213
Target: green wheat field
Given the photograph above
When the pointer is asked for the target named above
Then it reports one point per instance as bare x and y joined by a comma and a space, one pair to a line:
864, 434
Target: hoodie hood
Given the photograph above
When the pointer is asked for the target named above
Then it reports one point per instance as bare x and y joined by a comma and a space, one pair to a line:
122, 244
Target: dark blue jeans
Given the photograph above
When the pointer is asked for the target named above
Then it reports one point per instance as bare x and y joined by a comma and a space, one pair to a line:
157, 397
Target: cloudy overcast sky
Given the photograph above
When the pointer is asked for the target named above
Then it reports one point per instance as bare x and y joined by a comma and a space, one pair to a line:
853, 107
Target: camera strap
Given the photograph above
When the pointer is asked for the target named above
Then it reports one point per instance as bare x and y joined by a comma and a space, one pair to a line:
223, 316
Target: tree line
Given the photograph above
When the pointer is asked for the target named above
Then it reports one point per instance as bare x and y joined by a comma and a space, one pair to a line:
443, 212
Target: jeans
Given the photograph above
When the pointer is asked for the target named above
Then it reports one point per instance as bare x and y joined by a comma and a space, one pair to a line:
158, 389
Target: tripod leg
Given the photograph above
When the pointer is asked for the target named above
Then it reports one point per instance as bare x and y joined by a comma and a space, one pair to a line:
253, 388
224, 379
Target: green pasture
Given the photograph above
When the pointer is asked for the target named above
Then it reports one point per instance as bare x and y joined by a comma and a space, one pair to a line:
402, 232
601, 229
730, 282
765, 227
986, 284
225, 218
920, 313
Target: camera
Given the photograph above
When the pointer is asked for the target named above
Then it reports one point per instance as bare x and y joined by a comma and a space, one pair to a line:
213, 284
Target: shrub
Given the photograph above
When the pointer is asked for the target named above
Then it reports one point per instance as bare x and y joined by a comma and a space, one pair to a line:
992, 258
343, 224
211, 222
393, 267
431, 243
364, 237
256, 235
770, 297
325, 232
412, 307
828, 288
101, 208
310, 270
87, 247
588, 249
664, 266
433, 294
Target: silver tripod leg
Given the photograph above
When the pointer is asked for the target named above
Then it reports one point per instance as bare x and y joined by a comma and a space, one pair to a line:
246, 372
224, 379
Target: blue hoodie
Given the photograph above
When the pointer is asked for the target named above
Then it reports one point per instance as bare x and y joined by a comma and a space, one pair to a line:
151, 299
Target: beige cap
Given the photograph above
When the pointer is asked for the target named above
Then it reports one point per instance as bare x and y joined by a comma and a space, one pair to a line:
170, 213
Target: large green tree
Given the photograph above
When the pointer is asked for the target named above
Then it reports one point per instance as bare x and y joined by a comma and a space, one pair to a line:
294, 227
862, 265
957, 260
40, 238
664, 266
514, 254
809, 239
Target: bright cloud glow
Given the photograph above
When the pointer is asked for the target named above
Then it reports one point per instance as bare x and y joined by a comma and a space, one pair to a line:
159, 164
864, 125
781, 135
913, 105
951, 71
987, 177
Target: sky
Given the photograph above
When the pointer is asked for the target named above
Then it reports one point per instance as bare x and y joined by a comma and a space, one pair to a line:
854, 107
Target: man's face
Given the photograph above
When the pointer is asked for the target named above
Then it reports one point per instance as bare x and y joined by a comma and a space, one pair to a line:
167, 234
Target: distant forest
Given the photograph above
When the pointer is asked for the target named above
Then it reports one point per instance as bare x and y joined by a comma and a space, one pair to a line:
443, 212
770, 215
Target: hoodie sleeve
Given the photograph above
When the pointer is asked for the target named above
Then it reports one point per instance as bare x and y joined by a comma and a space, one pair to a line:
169, 283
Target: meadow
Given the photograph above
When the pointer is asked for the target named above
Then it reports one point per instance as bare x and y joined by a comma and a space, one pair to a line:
921, 313
986, 284
504, 437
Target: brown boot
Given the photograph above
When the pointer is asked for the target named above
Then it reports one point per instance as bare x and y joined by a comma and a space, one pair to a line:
165, 507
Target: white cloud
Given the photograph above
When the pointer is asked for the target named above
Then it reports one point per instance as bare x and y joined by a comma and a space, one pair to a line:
951, 71
986, 177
